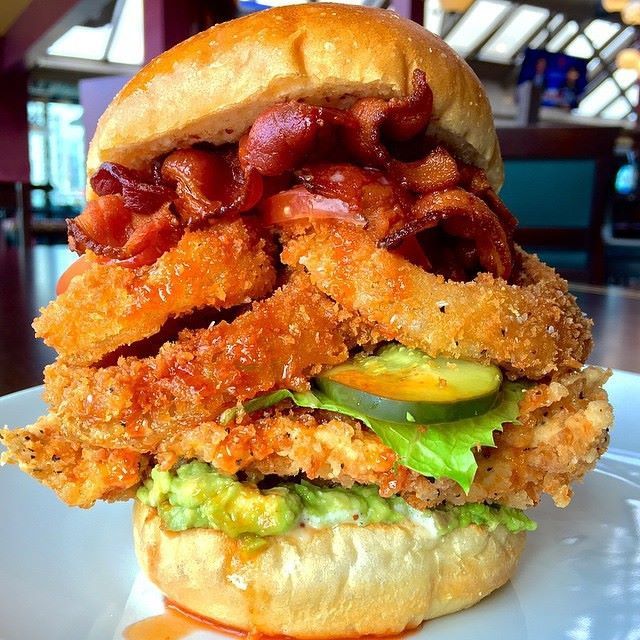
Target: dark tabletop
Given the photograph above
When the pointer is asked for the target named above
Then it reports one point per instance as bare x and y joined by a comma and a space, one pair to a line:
28, 279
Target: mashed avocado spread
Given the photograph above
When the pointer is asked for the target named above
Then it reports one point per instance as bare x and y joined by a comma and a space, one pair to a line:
195, 495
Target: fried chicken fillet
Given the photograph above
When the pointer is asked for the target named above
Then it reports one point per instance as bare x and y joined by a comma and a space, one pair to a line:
287, 228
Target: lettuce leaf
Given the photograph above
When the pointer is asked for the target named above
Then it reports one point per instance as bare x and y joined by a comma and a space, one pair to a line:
442, 450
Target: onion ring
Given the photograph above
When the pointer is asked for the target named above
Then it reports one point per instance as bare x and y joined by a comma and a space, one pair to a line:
530, 329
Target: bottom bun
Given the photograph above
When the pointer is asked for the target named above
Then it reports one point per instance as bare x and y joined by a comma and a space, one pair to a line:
343, 581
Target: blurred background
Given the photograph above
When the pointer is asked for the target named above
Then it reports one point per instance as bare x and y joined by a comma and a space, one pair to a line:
562, 77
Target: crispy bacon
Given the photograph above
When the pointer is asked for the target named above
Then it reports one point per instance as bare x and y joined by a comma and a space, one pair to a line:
115, 232
139, 192
463, 215
437, 171
283, 137
101, 227
409, 116
296, 162
398, 119
210, 184
475, 180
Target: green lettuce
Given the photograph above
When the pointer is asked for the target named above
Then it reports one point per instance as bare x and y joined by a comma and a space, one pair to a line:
442, 450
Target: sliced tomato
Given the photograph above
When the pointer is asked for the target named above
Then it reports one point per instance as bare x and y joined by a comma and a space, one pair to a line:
81, 265
299, 203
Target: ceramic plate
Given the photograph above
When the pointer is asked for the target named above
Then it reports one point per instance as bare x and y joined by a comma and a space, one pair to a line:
68, 574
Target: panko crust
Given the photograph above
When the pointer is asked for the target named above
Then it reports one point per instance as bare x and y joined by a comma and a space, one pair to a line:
325, 583
280, 343
563, 431
530, 329
212, 86
79, 473
109, 306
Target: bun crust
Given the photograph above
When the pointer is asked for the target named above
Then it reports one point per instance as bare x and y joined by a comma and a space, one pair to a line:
343, 582
212, 86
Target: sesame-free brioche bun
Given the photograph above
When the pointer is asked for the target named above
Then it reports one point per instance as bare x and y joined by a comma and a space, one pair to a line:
212, 86
338, 582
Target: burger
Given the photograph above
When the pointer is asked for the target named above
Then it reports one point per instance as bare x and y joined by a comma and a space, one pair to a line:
301, 337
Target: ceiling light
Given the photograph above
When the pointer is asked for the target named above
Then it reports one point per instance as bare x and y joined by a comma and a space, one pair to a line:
613, 6
455, 6
631, 12
628, 59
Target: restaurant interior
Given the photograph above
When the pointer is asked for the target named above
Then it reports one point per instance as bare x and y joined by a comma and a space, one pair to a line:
562, 77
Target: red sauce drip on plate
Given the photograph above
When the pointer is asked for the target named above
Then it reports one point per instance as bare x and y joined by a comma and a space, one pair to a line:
177, 624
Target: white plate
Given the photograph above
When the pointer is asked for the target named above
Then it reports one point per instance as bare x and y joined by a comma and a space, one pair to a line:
66, 574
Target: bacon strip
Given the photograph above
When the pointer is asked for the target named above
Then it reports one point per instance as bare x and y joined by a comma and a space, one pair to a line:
283, 136
464, 215
437, 171
112, 230
399, 119
139, 193
476, 181
210, 184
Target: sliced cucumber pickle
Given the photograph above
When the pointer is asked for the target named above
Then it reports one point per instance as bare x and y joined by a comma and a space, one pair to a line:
398, 384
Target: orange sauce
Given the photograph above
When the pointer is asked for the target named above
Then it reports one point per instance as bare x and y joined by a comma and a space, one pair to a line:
177, 624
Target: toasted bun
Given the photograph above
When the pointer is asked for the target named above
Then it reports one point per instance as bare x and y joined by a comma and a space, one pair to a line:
343, 582
212, 86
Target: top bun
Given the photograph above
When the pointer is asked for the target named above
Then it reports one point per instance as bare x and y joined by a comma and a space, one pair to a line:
213, 86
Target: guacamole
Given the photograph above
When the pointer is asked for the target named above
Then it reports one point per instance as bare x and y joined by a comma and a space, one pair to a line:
195, 495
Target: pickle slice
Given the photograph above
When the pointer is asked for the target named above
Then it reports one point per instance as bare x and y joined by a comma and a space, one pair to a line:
398, 384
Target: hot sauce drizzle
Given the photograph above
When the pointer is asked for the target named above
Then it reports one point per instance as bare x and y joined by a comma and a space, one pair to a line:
178, 624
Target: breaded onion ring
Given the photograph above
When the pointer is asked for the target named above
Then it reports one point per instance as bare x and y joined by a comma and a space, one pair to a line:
530, 329
109, 306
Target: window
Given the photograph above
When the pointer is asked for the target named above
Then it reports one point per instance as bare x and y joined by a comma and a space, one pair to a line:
563, 36
625, 77
433, 16
619, 42
56, 155
580, 47
120, 41
617, 110
600, 32
82, 42
476, 24
518, 28
127, 46
599, 98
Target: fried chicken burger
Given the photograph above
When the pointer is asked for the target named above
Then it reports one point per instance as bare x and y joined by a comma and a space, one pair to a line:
301, 336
